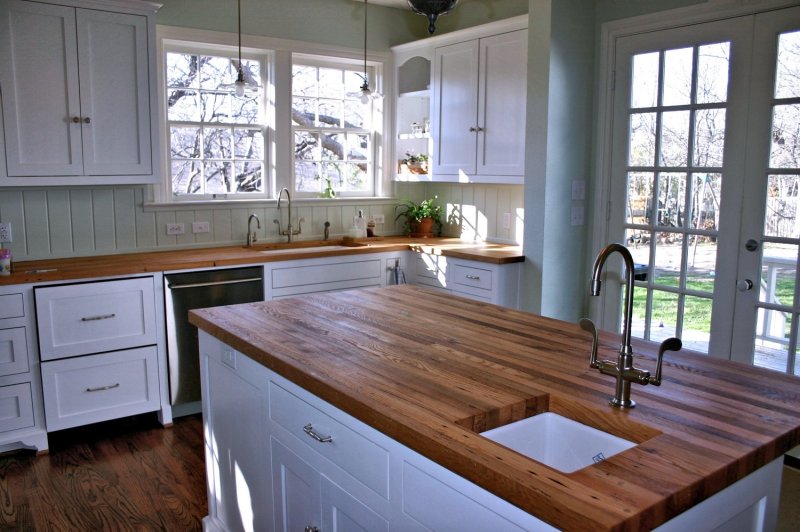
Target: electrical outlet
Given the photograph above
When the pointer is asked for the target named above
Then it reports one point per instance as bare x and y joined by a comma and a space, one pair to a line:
5, 232
175, 229
506, 220
378, 218
201, 227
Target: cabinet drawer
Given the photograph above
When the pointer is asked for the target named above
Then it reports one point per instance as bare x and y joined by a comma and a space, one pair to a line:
11, 306
13, 351
463, 275
326, 273
430, 270
364, 459
16, 407
84, 318
96, 388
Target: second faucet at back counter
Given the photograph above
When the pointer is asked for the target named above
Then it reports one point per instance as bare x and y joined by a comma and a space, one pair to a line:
289, 232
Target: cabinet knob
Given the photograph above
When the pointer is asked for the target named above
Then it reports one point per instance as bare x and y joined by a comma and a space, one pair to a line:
87, 120
311, 528
76, 120
473, 129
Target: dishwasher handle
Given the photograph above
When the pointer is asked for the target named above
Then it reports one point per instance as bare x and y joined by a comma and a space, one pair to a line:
213, 283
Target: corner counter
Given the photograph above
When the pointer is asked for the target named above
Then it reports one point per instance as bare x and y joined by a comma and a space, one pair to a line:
432, 382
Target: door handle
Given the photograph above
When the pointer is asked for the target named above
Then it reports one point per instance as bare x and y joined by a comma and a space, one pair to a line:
744, 285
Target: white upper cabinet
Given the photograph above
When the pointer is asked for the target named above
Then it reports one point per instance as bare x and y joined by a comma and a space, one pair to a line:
77, 95
479, 97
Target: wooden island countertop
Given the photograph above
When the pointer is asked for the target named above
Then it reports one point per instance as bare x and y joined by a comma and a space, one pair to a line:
431, 370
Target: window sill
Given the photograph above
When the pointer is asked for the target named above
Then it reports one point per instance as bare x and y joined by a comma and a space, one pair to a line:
154, 206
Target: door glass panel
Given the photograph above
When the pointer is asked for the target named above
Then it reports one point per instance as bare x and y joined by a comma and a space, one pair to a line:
785, 136
674, 138
701, 262
772, 339
780, 219
678, 76
778, 268
709, 137
667, 271
642, 149
704, 213
696, 330
712, 72
671, 199
644, 91
787, 84
640, 197
662, 323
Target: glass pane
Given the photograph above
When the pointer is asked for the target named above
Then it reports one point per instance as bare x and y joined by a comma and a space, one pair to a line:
780, 218
184, 142
330, 113
778, 268
182, 70
218, 143
245, 108
712, 72
354, 176
785, 152
357, 148
696, 328
678, 76
642, 149
331, 83
668, 259
772, 339
675, 138
248, 144
306, 176
304, 112
701, 264
183, 106
186, 177
215, 107
705, 201
709, 137
638, 243
640, 197
671, 199
333, 146
216, 72
796, 358
644, 81
248, 176
304, 81
219, 177
356, 114
664, 317
305, 145
787, 79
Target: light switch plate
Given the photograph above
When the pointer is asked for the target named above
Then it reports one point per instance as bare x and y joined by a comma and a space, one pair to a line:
175, 229
5, 232
506, 220
378, 218
201, 227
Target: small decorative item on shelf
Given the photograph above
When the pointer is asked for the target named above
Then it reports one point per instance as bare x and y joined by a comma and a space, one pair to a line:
417, 128
414, 164
328, 191
420, 217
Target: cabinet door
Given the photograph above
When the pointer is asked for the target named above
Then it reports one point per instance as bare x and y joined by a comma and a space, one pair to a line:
342, 511
501, 104
114, 84
296, 492
39, 79
455, 97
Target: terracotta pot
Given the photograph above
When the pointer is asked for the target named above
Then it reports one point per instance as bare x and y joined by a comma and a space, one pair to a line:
422, 228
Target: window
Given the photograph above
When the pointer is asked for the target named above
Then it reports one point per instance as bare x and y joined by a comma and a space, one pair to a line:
217, 140
334, 131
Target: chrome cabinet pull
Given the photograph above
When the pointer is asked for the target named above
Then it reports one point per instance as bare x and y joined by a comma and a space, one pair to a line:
473, 277
96, 318
311, 528
103, 388
309, 429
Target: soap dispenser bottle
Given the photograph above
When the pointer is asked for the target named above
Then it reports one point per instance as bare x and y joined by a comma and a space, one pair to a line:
361, 225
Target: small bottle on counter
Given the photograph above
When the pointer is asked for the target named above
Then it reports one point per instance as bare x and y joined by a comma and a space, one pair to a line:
361, 225
371, 228
5, 262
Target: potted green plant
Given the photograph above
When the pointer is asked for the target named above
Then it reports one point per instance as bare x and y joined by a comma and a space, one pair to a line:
420, 217
416, 164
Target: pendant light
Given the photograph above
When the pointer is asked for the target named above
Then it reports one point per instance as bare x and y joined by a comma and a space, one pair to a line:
432, 9
239, 84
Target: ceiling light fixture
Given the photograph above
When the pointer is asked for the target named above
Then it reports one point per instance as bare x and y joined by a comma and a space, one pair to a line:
432, 9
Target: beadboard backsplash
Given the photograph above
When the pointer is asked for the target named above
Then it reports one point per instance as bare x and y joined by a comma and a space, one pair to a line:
78, 221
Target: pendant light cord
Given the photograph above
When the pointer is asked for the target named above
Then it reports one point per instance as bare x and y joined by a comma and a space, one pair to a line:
365, 42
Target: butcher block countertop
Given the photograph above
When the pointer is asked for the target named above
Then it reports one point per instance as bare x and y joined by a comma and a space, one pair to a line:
160, 261
431, 370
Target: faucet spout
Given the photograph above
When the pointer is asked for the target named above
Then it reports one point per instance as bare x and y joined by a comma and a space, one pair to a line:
597, 271
289, 232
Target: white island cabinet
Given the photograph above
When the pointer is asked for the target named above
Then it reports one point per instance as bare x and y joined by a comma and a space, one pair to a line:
279, 458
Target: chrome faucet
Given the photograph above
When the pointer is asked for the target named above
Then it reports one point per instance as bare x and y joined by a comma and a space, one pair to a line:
289, 232
623, 369
251, 235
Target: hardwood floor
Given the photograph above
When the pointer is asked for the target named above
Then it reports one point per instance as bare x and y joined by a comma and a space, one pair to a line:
128, 474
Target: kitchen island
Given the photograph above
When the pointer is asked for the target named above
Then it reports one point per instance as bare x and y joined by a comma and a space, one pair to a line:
429, 372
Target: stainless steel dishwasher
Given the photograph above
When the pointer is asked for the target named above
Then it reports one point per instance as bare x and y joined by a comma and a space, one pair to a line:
200, 289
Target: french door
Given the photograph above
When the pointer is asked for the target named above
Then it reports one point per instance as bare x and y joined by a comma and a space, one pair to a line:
705, 182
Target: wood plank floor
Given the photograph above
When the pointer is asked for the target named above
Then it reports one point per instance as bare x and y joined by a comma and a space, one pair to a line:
128, 474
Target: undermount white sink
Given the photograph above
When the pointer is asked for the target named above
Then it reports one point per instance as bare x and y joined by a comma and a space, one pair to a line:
558, 442
311, 249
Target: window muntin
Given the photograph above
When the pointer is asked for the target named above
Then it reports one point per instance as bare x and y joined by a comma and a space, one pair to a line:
216, 139
334, 131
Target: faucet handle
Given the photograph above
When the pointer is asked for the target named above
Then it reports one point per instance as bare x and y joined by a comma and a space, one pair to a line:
588, 326
670, 344
279, 225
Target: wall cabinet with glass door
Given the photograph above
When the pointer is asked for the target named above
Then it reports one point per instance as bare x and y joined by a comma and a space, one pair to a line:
413, 111
78, 93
